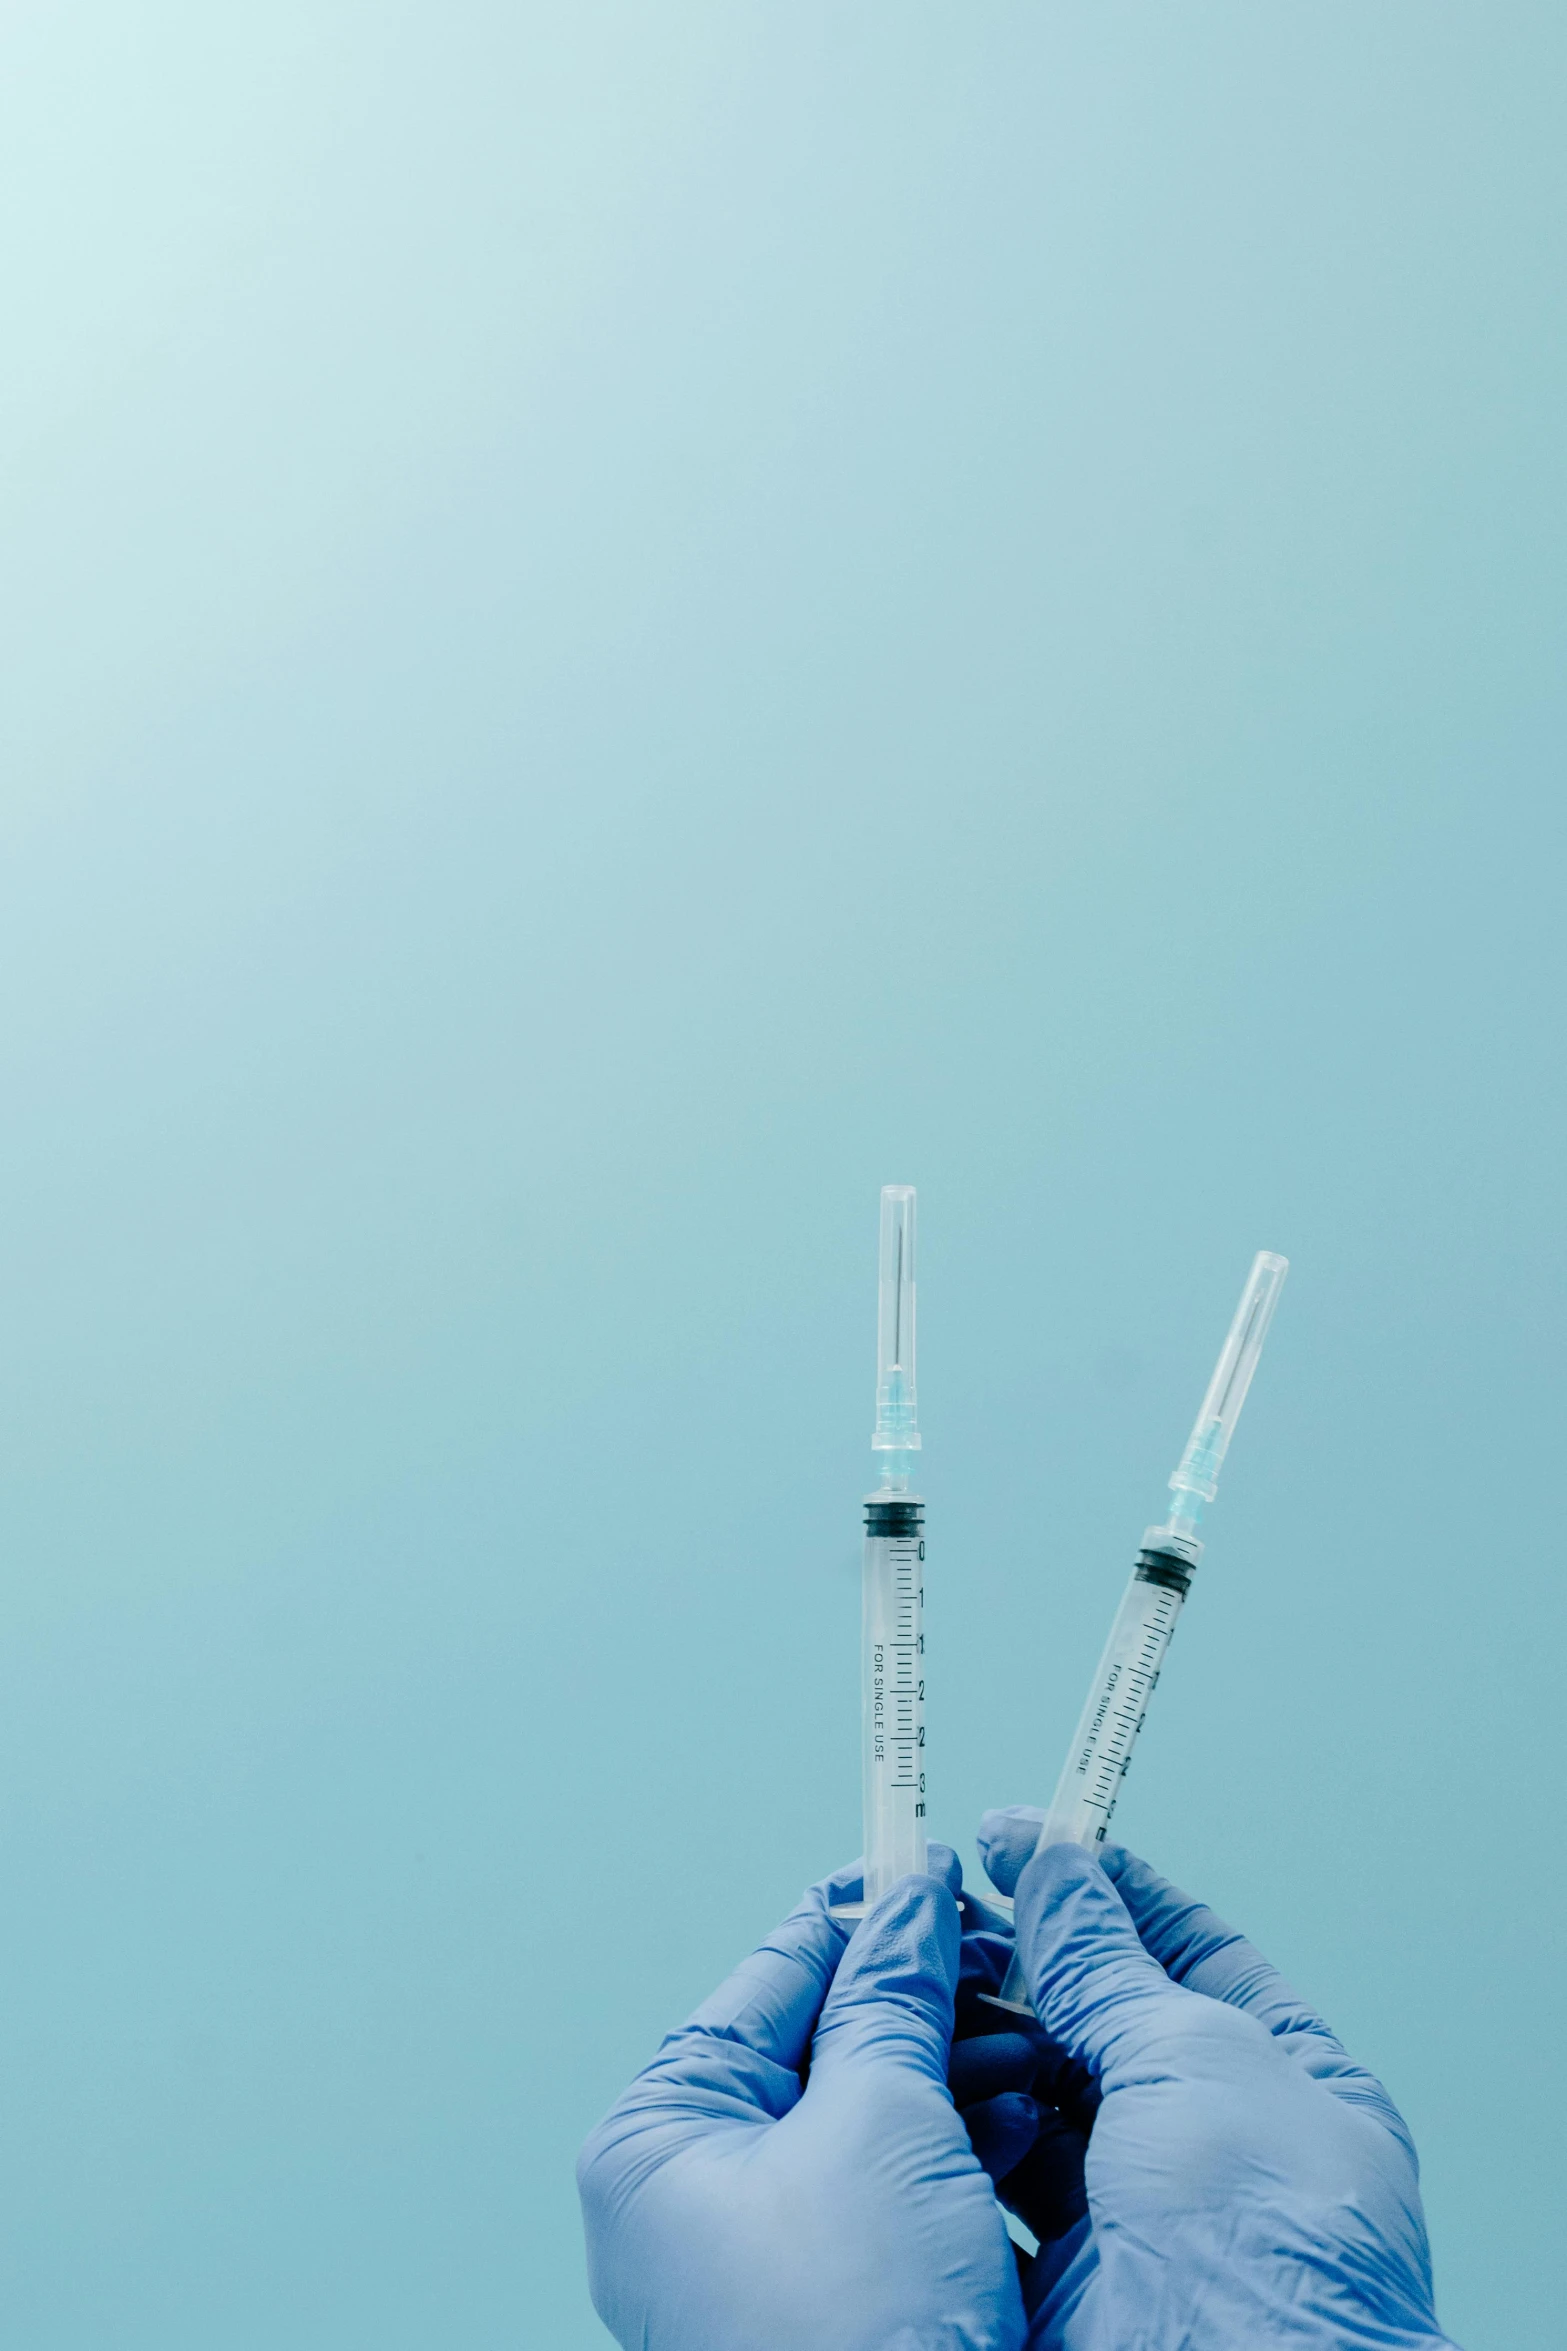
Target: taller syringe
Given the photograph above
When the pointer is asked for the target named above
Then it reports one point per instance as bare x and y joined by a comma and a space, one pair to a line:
892, 1639
1101, 1752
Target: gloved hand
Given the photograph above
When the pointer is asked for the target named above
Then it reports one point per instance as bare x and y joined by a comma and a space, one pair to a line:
733, 2197
1247, 2183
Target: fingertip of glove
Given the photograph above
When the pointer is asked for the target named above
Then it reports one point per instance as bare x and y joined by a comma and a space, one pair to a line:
913, 1932
1125, 1868
1050, 1878
921, 1905
1007, 1836
1081, 1949
942, 1863
1060, 1866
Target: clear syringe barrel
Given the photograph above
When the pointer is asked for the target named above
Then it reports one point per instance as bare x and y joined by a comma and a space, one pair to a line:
893, 1648
892, 1634
1118, 1699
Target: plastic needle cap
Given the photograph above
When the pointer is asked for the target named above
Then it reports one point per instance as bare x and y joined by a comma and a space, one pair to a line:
1196, 1481
897, 1407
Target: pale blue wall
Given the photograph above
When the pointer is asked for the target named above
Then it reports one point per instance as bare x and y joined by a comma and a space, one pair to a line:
620, 624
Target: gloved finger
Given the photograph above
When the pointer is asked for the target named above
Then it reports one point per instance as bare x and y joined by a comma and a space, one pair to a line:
942, 1863
848, 1884
1002, 2130
1058, 2278
990, 2065
987, 1953
1046, 2189
1193, 1945
985, 2066
1007, 1838
891, 1999
744, 2046
1094, 1988
1198, 1949
988, 2055
1066, 2082
984, 1918
770, 2004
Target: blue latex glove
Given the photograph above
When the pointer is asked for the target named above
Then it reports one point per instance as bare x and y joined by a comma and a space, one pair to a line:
732, 2205
1247, 2183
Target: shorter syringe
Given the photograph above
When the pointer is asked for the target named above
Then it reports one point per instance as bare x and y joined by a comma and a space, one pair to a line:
1101, 1752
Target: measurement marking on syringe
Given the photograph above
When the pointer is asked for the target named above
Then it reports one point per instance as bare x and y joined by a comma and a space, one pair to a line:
1106, 1752
898, 1732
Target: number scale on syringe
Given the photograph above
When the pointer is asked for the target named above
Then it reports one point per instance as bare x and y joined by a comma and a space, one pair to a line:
1114, 1715
895, 1699
906, 1689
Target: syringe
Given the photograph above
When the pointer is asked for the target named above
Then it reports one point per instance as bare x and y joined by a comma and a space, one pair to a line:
1101, 1752
892, 1640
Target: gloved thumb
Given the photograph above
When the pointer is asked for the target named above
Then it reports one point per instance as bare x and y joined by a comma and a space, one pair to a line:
1094, 1988
1006, 1843
891, 1999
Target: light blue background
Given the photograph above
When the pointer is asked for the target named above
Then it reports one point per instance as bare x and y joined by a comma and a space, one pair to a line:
620, 624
